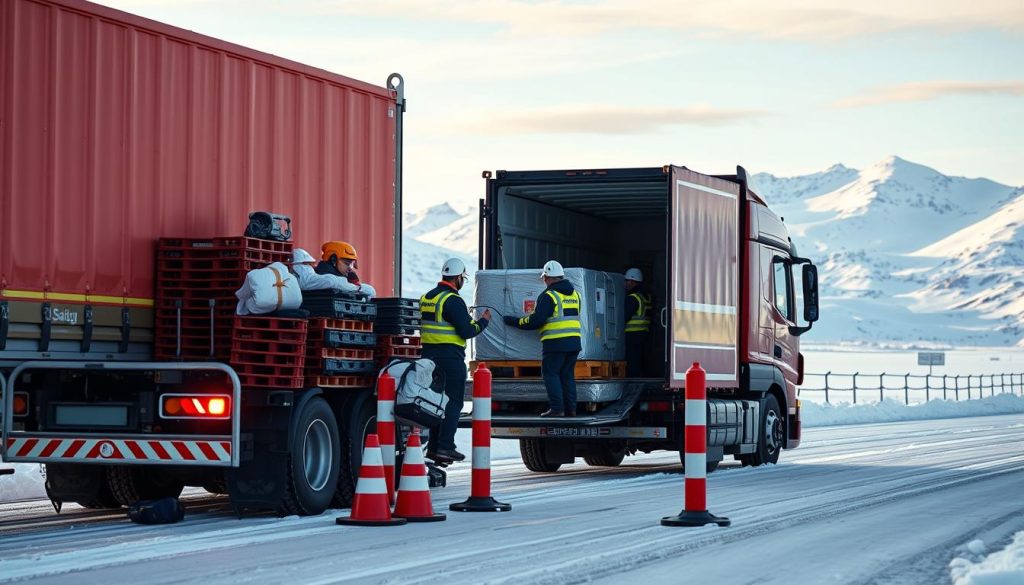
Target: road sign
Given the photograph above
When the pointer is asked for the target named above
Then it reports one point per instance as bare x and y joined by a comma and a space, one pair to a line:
931, 358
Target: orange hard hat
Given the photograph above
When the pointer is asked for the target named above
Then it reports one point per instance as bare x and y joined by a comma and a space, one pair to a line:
343, 250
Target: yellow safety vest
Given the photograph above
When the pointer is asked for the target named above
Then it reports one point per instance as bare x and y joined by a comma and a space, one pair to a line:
435, 329
640, 322
560, 325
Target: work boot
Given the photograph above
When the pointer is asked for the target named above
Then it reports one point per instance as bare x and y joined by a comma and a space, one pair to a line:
445, 455
550, 413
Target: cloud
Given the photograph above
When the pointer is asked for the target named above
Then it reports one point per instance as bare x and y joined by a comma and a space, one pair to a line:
599, 119
817, 20
924, 91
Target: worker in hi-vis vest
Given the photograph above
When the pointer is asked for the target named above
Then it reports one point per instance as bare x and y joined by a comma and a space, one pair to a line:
638, 324
557, 315
446, 325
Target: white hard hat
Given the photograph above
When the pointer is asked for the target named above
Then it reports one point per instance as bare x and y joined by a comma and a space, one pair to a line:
453, 267
553, 269
300, 256
635, 274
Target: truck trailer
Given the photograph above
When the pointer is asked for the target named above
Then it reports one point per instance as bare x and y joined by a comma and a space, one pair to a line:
116, 131
722, 270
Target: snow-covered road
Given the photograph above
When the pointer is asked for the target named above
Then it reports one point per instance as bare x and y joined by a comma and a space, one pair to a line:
883, 503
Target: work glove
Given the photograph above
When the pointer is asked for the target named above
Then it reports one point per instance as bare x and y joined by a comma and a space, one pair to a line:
510, 320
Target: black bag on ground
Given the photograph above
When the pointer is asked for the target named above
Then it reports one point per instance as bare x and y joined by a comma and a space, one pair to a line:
416, 403
162, 511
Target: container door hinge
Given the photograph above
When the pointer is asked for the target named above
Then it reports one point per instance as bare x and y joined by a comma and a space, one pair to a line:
126, 329
87, 330
44, 327
5, 324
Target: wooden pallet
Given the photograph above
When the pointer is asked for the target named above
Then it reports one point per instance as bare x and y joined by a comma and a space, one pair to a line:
585, 369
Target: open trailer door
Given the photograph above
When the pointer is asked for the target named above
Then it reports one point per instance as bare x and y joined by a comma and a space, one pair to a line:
704, 319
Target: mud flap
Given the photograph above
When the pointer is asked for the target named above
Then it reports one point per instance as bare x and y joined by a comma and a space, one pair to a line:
258, 484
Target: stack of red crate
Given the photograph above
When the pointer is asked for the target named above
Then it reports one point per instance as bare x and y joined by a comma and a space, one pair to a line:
339, 341
269, 352
196, 280
390, 347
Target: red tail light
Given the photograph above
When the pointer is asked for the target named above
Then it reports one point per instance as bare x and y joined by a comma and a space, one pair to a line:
204, 406
20, 406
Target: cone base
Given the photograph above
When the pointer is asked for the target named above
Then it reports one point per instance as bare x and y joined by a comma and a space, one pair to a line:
480, 505
349, 521
438, 517
695, 519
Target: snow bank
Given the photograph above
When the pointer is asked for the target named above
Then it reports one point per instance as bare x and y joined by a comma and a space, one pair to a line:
1005, 567
823, 415
25, 484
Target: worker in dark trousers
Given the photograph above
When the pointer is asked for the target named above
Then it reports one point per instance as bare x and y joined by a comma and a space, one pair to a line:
557, 315
638, 324
446, 325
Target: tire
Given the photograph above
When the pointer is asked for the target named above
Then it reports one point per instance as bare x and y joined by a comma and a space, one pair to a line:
605, 456
772, 435
216, 484
86, 485
314, 461
532, 451
362, 420
130, 484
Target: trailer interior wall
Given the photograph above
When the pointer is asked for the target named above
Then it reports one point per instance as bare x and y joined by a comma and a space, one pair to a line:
116, 130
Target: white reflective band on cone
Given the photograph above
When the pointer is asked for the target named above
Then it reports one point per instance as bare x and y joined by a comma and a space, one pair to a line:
481, 457
414, 483
387, 452
695, 465
371, 485
385, 412
372, 457
414, 456
696, 412
482, 407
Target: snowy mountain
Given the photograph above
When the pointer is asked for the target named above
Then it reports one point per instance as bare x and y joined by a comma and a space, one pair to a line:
907, 256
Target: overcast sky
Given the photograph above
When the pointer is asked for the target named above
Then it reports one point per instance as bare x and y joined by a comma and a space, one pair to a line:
788, 86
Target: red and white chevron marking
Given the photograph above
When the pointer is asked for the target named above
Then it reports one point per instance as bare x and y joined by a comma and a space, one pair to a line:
195, 452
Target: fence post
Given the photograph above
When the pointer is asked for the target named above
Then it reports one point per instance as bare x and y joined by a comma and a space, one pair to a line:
881, 387
826, 386
855, 387
928, 388
968, 386
944, 387
956, 387
906, 389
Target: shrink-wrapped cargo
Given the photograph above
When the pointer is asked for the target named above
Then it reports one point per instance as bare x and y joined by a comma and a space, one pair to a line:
514, 292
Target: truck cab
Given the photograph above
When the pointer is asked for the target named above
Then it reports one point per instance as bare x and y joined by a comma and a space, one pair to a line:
723, 273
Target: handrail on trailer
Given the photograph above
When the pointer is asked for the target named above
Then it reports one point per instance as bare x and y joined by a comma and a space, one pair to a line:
7, 412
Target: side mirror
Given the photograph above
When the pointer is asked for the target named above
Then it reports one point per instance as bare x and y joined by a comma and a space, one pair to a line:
810, 281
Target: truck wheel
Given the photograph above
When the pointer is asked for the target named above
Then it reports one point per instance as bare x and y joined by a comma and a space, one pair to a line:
605, 456
361, 422
532, 451
313, 461
86, 485
130, 484
772, 437
216, 484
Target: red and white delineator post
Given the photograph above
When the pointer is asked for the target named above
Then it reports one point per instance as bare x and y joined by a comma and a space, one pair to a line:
386, 391
695, 457
480, 499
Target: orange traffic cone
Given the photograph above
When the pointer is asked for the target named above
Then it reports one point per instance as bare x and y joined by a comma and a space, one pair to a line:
413, 487
370, 507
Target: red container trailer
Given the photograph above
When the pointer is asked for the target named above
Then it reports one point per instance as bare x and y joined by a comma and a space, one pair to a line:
115, 131
727, 283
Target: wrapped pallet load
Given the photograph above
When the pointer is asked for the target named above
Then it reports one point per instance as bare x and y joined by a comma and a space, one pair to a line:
514, 292
267, 290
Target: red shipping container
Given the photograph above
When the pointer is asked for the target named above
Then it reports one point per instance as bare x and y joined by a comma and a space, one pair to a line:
116, 130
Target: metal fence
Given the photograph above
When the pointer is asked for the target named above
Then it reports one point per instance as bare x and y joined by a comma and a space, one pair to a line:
868, 387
